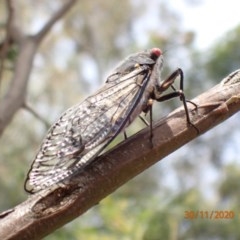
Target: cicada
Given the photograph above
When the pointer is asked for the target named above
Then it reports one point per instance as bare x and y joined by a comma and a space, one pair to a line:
86, 129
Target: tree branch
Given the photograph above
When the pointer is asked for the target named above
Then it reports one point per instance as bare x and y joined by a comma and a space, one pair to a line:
43, 213
7, 41
42, 33
14, 32
37, 115
27, 47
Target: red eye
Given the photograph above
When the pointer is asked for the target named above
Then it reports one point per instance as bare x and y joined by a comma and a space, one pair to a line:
156, 52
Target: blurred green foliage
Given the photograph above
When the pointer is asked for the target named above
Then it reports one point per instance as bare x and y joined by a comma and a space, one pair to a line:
224, 56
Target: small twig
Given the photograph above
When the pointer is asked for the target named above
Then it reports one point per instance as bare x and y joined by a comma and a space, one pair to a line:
41, 34
35, 114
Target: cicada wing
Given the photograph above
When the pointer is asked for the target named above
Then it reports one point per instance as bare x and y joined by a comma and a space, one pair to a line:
84, 130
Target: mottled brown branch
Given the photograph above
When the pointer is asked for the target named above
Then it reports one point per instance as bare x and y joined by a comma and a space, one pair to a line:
43, 213
15, 95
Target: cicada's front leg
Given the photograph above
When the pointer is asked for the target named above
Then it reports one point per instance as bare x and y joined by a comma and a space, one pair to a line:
168, 82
